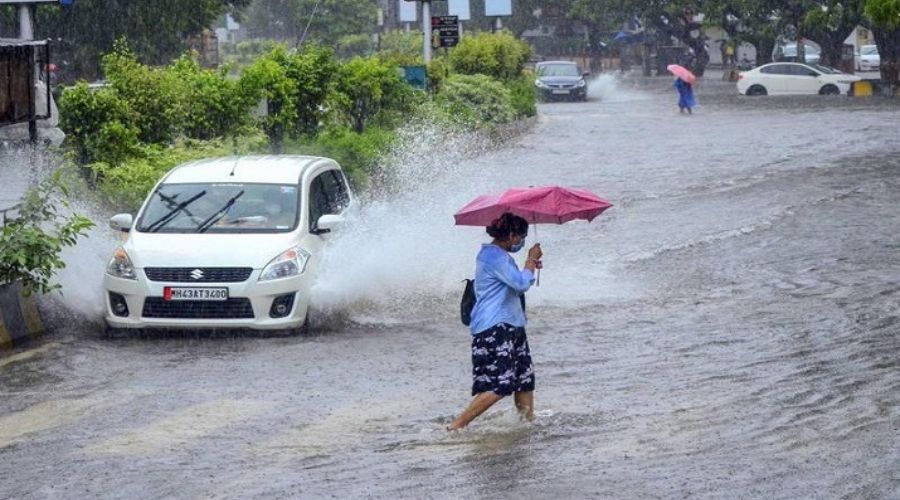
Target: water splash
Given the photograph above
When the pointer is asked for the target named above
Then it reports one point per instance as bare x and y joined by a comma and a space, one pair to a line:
611, 87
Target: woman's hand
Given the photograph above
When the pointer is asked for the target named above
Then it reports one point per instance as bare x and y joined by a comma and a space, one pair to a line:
534, 258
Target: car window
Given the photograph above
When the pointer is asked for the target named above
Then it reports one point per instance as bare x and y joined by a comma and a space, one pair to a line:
799, 70
336, 189
559, 70
776, 69
318, 201
869, 50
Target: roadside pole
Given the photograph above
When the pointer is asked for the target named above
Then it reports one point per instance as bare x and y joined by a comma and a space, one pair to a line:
26, 33
426, 30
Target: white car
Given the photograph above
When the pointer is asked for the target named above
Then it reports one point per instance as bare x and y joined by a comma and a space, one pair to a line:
794, 78
226, 243
868, 58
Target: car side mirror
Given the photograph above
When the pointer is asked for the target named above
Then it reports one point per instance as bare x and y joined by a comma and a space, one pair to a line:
586, 74
327, 223
121, 222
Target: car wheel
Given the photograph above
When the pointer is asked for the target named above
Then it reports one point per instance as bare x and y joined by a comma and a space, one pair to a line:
757, 90
829, 90
114, 333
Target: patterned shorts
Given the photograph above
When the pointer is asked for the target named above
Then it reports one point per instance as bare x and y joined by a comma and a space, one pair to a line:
501, 361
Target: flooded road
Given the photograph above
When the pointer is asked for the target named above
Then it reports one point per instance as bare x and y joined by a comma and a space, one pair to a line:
730, 329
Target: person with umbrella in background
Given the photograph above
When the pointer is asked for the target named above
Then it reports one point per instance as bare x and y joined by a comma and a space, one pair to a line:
684, 82
501, 358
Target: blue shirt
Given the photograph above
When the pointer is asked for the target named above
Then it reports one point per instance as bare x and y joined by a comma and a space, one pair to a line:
498, 284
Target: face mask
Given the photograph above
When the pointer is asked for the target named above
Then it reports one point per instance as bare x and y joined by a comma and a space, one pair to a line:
518, 246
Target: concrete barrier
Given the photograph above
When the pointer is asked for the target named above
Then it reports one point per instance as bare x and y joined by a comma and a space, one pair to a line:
19, 317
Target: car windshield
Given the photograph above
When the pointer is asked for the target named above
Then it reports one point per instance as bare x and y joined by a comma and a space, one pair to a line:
558, 70
869, 50
221, 208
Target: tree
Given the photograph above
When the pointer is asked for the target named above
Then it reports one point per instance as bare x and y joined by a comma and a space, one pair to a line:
85, 31
323, 21
830, 22
367, 89
885, 16
750, 21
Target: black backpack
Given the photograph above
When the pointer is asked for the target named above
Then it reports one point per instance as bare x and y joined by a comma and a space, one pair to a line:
468, 302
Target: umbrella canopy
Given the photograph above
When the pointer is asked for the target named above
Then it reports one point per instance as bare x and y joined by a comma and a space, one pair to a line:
682, 72
540, 205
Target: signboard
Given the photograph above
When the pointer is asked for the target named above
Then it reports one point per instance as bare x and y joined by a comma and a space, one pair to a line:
408, 12
493, 8
19, 101
444, 31
460, 9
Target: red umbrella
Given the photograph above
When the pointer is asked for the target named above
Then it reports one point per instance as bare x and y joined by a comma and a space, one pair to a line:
541, 205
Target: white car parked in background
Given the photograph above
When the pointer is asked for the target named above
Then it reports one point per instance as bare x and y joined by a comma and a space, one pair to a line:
226, 243
794, 78
868, 58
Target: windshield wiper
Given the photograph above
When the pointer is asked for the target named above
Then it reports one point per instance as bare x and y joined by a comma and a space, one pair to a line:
170, 216
217, 216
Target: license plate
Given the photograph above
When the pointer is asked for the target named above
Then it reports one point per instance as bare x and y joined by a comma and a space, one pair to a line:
194, 293
561, 91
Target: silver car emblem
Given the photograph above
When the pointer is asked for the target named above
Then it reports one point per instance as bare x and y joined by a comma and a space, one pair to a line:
197, 274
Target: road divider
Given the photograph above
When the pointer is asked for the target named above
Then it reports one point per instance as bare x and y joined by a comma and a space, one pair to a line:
19, 317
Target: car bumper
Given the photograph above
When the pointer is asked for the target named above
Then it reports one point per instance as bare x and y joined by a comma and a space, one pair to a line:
570, 93
260, 296
869, 67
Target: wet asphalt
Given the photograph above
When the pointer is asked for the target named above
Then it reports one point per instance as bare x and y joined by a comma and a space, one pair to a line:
729, 329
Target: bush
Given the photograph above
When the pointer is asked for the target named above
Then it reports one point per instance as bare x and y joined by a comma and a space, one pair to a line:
499, 55
350, 46
357, 152
477, 99
84, 112
523, 96
369, 89
401, 48
215, 106
438, 71
31, 243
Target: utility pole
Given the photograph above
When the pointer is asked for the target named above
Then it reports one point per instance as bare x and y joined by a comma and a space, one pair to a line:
26, 21
426, 30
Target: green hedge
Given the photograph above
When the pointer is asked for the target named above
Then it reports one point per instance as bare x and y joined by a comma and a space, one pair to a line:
498, 55
477, 99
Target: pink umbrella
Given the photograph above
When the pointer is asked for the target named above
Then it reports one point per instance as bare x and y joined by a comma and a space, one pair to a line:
682, 72
541, 205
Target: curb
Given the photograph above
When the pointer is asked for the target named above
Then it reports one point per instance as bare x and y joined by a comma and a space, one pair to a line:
19, 317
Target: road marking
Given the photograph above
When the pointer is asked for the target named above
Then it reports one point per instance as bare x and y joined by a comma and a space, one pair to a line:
22, 356
189, 424
45, 416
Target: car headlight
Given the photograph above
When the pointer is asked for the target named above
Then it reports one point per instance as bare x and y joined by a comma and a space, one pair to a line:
291, 262
582, 83
120, 265
540, 84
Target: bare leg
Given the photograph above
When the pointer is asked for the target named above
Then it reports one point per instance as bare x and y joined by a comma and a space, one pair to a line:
525, 405
478, 406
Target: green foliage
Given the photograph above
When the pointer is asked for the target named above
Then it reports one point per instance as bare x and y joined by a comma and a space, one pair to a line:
498, 55
368, 89
401, 48
83, 113
350, 46
884, 13
31, 243
523, 96
239, 55
477, 99
357, 152
327, 20
438, 72
214, 105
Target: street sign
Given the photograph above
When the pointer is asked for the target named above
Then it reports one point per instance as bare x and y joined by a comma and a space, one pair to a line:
408, 12
444, 31
460, 9
497, 8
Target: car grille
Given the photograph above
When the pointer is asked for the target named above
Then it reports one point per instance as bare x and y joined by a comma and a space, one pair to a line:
561, 86
199, 274
233, 308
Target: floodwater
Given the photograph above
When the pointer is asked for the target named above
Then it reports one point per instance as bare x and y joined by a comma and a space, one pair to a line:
730, 329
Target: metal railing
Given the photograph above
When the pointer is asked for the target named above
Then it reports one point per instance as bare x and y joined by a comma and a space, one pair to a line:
8, 213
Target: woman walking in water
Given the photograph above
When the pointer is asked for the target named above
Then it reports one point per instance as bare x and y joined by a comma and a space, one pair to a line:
686, 99
501, 359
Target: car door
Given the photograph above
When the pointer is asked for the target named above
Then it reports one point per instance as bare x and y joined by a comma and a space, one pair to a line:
803, 80
775, 78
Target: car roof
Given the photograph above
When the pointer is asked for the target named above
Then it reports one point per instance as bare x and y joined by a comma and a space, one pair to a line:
270, 169
546, 63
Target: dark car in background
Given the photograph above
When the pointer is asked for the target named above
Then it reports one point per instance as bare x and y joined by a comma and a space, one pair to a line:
560, 80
